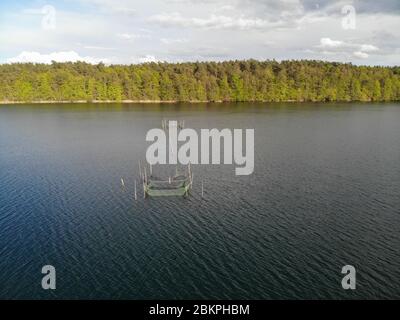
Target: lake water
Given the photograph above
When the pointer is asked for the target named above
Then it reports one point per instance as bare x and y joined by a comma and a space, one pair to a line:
325, 192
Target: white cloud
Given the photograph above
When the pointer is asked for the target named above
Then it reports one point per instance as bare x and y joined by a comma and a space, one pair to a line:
369, 48
98, 48
147, 59
225, 8
173, 41
329, 47
360, 55
214, 22
260, 29
132, 36
329, 43
62, 56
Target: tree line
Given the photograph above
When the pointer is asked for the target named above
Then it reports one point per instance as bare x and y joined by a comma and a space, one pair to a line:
249, 80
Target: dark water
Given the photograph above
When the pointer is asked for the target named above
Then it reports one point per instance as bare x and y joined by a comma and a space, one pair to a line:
324, 193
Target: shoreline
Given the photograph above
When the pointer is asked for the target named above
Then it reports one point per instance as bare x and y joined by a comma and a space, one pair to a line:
172, 102
92, 101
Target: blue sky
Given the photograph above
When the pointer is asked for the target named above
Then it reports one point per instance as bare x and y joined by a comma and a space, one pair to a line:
122, 31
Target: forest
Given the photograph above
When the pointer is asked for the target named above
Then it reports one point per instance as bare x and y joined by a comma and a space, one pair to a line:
249, 80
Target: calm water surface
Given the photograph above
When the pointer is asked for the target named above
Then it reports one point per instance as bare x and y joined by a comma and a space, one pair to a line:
325, 193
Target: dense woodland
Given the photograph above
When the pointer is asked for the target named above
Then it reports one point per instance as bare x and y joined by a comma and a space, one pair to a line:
200, 81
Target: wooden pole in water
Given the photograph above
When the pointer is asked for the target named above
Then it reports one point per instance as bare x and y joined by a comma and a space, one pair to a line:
202, 189
140, 171
135, 191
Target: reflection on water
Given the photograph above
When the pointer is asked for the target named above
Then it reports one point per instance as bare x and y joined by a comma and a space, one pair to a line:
324, 193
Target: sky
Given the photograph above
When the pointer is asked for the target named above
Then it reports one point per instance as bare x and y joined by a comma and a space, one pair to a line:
363, 32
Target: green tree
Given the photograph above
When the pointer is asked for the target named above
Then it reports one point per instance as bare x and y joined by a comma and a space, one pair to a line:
249, 80
388, 90
376, 95
24, 90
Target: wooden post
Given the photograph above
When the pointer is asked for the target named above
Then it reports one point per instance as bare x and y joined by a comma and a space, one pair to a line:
202, 189
140, 171
135, 191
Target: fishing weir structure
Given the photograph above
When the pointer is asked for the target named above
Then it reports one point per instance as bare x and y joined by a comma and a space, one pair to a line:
178, 185
165, 124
